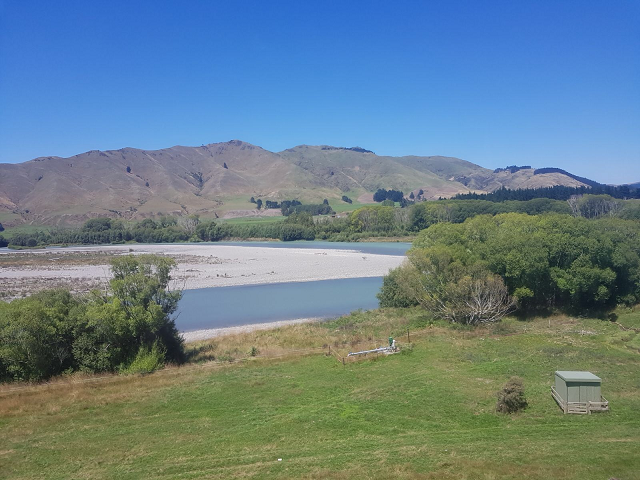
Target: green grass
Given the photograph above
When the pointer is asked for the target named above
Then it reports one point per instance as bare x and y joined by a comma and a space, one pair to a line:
339, 206
427, 412
251, 220
10, 231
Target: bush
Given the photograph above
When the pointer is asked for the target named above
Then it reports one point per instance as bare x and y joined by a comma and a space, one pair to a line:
129, 330
146, 361
3, 242
36, 335
511, 398
393, 293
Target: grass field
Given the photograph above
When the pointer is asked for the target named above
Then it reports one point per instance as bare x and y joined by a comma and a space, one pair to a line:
427, 412
251, 220
9, 231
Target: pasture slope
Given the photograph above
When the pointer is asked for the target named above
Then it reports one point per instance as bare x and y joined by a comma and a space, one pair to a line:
426, 413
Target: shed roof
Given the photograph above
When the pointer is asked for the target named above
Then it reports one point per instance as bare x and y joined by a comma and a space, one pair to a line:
571, 376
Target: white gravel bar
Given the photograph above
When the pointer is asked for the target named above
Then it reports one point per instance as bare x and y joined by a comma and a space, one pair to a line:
202, 266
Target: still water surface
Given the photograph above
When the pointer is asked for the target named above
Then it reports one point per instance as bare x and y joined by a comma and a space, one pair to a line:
243, 305
377, 248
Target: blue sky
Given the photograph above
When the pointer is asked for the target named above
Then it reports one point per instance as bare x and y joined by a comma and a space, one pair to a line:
536, 83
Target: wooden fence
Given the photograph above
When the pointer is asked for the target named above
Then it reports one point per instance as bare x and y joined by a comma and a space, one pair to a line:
581, 408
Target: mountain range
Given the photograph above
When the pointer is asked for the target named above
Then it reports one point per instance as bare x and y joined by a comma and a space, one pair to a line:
218, 179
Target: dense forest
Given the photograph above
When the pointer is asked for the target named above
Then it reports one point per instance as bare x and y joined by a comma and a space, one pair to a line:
559, 192
479, 270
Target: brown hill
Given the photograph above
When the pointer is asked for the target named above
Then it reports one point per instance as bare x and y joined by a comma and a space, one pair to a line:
217, 178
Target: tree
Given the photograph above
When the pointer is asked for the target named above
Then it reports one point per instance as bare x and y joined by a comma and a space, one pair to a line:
412, 196
167, 221
128, 169
3, 242
444, 281
148, 223
304, 218
291, 232
380, 195
225, 165
36, 334
1, 228
325, 202
252, 200
189, 223
393, 292
207, 231
473, 301
546, 261
133, 318
259, 203
593, 206
97, 224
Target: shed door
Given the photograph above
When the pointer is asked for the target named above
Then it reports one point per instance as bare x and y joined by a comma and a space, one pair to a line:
585, 394
573, 392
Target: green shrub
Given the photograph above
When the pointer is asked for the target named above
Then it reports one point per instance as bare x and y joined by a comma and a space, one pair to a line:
146, 361
511, 398
393, 293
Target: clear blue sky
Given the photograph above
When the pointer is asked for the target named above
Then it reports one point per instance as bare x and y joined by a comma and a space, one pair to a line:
542, 83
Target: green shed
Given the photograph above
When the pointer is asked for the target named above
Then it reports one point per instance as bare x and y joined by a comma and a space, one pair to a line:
578, 392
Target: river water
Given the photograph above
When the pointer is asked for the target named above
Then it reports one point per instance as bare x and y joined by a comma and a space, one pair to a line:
221, 307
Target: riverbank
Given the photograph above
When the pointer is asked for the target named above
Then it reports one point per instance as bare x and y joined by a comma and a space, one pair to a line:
209, 333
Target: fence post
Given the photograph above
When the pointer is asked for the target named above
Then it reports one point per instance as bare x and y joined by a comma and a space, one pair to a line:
408, 337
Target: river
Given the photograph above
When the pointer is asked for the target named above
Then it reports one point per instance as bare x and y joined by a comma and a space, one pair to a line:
220, 307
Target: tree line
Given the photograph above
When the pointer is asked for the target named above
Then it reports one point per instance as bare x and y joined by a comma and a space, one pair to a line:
558, 192
367, 221
382, 194
287, 207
